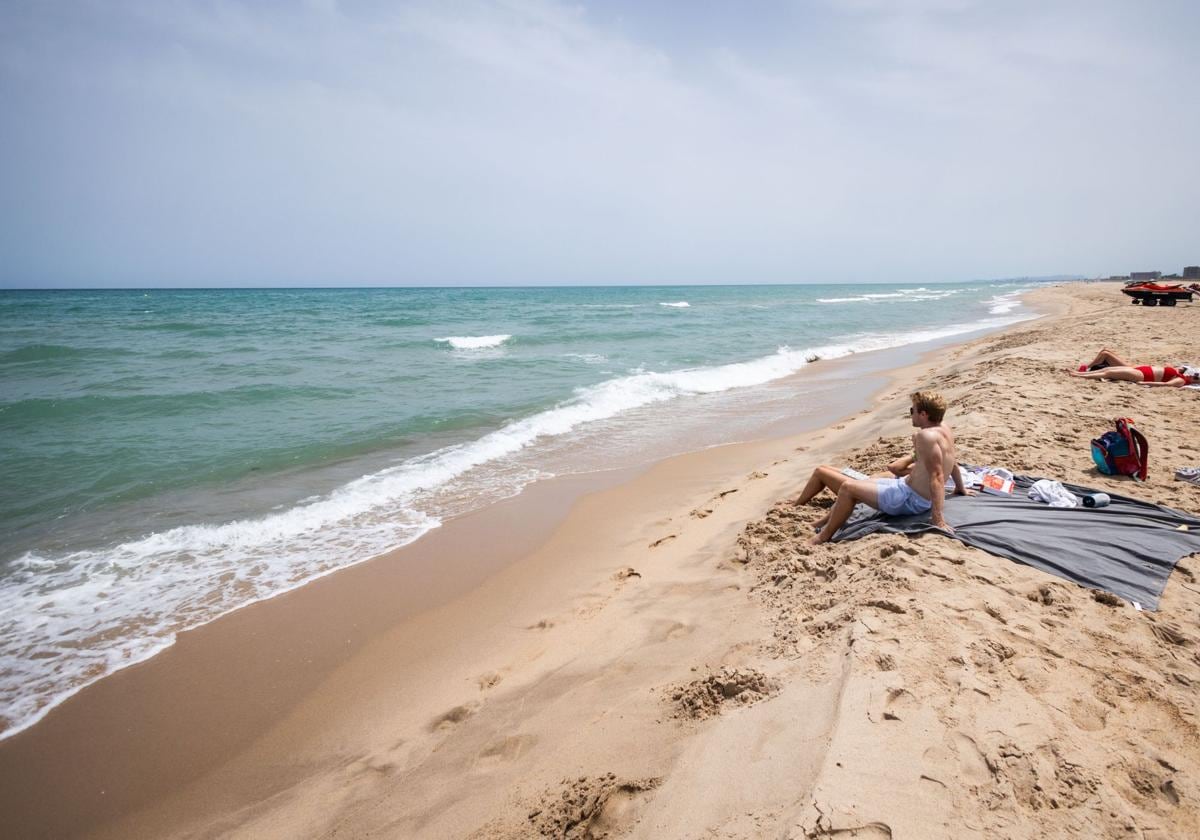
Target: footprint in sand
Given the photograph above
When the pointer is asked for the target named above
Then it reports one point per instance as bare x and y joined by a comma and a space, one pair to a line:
449, 720
544, 624
366, 765
897, 701
666, 630
503, 751
489, 680
662, 540
971, 762
602, 806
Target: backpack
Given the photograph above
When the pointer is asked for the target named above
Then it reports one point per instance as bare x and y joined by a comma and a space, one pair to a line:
1122, 452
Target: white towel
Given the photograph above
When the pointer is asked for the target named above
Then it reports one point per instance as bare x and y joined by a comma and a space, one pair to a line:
1053, 493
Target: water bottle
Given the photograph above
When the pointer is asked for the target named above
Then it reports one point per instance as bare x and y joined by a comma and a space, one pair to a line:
1095, 500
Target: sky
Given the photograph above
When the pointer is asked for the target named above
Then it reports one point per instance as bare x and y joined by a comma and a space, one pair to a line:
530, 142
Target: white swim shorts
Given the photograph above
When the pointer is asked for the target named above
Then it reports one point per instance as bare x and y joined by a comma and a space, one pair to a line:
896, 498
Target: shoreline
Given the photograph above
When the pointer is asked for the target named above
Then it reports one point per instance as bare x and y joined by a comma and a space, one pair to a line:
342, 707
179, 694
869, 364
154, 557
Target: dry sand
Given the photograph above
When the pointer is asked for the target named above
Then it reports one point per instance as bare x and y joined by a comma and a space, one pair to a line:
672, 661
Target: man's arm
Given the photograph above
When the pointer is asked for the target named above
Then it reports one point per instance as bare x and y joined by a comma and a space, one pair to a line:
956, 474
929, 451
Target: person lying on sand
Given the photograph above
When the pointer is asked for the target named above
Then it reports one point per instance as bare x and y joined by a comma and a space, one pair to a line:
921, 490
1108, 365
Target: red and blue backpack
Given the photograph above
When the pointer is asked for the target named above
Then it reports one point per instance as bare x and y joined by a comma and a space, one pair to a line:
1122, 452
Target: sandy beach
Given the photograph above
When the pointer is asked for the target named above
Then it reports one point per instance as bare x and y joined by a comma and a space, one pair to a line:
656, 653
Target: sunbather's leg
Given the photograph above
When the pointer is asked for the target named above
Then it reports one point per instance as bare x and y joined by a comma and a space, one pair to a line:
850, 494
822, 478
1107, 358
818, 524
1124, 374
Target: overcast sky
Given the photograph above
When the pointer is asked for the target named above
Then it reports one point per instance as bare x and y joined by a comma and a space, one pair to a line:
536, 142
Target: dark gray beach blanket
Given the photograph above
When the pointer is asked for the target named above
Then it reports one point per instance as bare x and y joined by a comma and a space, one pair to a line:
1128, 548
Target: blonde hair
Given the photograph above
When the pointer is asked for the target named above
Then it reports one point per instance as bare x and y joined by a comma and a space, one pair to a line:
931, 403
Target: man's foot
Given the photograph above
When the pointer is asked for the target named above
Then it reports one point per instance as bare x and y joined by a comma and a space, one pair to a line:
818, 539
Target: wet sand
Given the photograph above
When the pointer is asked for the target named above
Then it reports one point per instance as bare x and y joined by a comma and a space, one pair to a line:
655, 654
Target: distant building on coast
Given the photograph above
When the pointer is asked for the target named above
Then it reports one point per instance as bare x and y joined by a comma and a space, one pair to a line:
1145, 275
1191, 272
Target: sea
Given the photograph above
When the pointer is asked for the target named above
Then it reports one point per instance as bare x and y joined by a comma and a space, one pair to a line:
169, 456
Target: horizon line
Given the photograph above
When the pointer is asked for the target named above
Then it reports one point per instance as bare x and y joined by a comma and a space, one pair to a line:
1040, 277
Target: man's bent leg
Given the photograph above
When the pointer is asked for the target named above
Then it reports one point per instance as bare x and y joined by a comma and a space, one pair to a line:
822, 477
851, 493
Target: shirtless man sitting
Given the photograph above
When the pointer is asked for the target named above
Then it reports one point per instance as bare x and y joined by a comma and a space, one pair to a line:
920, 491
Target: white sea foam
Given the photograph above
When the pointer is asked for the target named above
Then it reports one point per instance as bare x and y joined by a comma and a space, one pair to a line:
679, 304
474, 342
1003, 304
859, 298
921, 293
69, 620
590, 358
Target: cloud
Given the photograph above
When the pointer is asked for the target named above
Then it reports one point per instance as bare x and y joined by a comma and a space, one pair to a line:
532, 141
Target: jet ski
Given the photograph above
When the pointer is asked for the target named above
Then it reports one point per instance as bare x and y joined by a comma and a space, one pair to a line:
1158, 294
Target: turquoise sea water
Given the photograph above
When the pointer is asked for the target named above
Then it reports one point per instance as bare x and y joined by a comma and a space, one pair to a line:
169, 456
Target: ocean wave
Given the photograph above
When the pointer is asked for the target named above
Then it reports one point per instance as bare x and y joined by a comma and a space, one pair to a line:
862, 298
1003, 304
54, 352
89, 613
473, 342
195, 328
124, 407
590, 358
679, 304
917, 294
401, 321
76, 617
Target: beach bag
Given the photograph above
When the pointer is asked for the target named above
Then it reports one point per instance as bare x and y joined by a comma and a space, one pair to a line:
1123, 451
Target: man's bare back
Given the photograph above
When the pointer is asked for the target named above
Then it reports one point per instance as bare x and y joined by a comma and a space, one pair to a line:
933, 445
